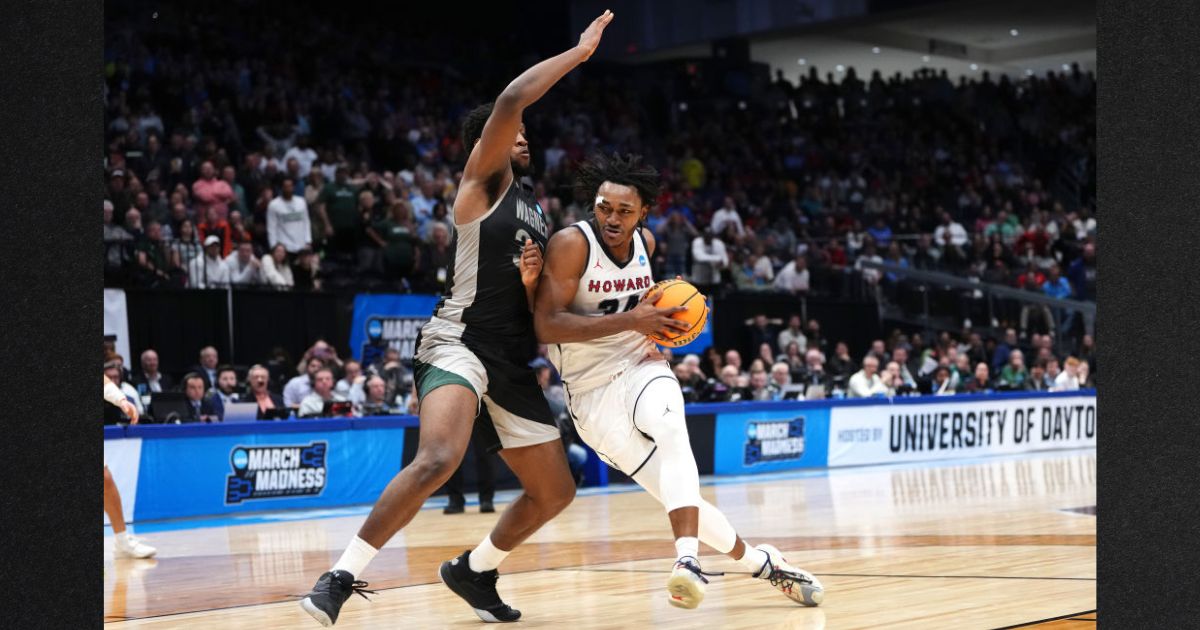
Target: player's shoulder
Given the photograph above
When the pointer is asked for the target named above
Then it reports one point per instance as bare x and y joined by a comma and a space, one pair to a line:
570, 236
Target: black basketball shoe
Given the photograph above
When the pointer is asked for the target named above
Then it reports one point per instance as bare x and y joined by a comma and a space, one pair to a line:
478, 589
332, 590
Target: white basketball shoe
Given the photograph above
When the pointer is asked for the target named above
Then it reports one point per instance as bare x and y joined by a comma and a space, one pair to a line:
687, 583
129, 547
799, 585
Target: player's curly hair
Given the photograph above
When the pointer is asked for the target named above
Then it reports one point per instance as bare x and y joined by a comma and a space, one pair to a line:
627, 171
472, 126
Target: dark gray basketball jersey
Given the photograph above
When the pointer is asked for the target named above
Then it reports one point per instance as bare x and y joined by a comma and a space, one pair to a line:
485, 294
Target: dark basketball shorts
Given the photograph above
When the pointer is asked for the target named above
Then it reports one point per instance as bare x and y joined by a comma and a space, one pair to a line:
513, 412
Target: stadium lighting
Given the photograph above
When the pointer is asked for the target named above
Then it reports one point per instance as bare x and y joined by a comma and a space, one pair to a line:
875, 50
974, 66
840, 68
925, 58
1066, 66
1014, 32
1028, 72
802, 61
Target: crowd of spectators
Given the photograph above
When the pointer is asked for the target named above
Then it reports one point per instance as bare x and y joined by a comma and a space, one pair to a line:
337, 162
792, 362
799, 362
279, 387
330, 161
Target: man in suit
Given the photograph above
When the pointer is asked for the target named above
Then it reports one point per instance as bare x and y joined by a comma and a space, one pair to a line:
207, 368
201, 408
148, 379
226, 389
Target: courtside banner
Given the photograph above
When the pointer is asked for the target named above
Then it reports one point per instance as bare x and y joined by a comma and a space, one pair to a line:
959, 426
123, 459
199, 475
769, 440
386, 320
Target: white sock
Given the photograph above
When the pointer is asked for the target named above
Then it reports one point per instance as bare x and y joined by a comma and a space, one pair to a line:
754, 560
354, 560
122, 537
486, 556
687, 546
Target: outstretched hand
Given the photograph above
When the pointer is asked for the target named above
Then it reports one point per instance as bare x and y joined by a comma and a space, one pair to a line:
590, 38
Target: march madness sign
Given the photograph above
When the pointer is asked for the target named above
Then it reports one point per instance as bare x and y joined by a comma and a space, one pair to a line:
270, 472
383, 321
774, 441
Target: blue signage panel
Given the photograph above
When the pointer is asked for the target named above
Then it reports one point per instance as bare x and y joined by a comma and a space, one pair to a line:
250, 472
769, 440
388, 320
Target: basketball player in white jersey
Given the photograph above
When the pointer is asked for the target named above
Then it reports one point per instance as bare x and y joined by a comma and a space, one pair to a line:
625, 401
126, 544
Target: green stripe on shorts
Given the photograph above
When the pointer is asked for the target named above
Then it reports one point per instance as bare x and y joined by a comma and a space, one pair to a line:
431, 377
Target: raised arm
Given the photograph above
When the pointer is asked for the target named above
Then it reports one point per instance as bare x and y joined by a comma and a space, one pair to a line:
566, 255
489, 160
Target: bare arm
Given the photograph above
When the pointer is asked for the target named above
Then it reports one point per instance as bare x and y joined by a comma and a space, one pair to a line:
531, 270
489, 161
566, 255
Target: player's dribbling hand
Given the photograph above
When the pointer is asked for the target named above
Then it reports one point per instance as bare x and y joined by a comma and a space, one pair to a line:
531, 263
649, 319
130, 410
590, 38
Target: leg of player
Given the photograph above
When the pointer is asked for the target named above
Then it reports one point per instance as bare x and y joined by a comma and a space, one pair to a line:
672, 465
126, 545
763, 562
446, 415
658, 412
547, 488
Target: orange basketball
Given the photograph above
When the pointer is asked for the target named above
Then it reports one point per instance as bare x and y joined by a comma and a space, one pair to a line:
681, 293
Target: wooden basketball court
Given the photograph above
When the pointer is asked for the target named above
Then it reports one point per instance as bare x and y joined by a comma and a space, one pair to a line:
987, 543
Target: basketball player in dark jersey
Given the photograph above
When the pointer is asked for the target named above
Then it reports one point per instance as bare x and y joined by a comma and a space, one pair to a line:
472, 359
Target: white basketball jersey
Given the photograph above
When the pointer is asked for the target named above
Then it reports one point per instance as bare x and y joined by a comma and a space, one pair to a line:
606, 287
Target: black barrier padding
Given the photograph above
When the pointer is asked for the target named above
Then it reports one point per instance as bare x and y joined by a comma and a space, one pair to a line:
702, 431
177, 323
264, 319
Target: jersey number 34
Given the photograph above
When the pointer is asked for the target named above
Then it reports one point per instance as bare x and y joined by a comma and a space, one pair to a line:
610, 306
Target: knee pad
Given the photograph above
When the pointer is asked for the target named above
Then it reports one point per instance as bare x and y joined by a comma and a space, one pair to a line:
658, 412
